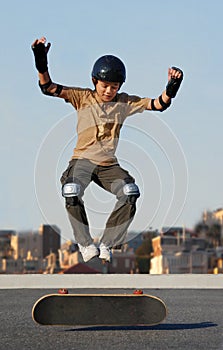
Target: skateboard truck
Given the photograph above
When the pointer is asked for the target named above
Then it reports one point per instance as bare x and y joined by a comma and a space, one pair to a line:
63, 291
138, 291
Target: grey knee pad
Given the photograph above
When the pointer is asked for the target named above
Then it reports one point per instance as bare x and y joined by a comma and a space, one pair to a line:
70, 191
131, 190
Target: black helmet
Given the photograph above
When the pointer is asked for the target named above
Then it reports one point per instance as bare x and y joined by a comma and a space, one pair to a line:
109, 68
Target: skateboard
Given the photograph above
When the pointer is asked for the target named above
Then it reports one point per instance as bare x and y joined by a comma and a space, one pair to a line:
98, 310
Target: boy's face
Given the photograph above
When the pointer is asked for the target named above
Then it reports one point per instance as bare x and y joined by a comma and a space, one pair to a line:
106, 90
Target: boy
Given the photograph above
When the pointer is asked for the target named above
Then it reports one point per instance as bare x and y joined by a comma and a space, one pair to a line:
101, 113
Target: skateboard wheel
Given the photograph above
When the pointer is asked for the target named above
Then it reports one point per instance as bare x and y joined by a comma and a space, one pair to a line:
138, 291
63, 291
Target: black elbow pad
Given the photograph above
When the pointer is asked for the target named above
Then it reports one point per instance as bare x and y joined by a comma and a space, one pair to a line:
44, 88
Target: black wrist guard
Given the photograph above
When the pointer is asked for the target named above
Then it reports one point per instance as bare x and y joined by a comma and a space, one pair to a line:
40, 57
44, 88
174, 84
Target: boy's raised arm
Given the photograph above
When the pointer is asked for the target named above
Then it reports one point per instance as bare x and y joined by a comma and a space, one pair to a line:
47, 87
175, 77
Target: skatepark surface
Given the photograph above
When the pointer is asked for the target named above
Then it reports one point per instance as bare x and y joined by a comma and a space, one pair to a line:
194, 321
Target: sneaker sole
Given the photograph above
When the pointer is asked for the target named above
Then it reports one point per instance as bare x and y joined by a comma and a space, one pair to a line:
93, 256
107, 259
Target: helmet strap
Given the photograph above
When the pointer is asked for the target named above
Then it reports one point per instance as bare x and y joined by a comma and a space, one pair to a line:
94, 81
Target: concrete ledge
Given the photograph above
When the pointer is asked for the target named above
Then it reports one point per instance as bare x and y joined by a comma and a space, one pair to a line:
75, 281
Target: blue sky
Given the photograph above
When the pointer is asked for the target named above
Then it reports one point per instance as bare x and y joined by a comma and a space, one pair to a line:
179, 170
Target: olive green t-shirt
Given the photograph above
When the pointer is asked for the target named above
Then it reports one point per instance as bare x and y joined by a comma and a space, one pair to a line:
99, 123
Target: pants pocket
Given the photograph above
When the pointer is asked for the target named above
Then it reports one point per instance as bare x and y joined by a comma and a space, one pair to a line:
66, 173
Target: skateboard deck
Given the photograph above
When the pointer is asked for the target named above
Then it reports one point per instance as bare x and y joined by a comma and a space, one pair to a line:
98, 310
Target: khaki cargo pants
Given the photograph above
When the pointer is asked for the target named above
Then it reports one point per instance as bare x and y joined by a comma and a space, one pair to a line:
111, 178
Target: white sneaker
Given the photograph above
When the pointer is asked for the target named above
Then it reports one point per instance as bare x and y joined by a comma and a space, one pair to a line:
88, 252
105, 252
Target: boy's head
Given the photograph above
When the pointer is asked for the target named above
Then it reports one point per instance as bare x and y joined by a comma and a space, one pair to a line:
108, 74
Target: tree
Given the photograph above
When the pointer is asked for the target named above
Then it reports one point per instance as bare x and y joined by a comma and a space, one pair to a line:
211, 232
201, 229
214, 234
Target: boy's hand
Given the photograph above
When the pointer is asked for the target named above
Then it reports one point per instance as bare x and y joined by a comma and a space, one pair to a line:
175, 77
40, 53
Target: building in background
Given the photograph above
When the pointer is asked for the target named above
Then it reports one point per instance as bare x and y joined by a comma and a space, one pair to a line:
27, 251
50, 239
173, 250
178, 251
5, 243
